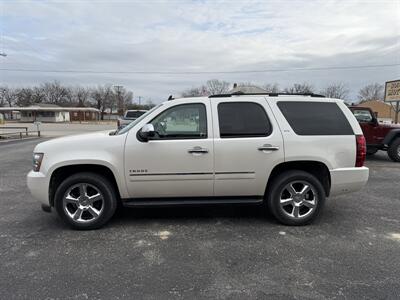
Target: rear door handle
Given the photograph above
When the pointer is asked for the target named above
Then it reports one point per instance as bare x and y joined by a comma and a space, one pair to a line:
198, 149
268, 147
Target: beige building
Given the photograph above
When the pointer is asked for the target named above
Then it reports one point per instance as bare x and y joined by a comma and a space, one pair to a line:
385, 111
51, 113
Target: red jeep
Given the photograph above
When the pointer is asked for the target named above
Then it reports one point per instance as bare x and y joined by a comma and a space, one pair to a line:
378, 136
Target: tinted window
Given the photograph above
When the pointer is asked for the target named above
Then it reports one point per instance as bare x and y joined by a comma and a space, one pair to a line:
181, 121
242, 119
315, 118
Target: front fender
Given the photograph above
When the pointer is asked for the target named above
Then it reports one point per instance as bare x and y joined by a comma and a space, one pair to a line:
118, 175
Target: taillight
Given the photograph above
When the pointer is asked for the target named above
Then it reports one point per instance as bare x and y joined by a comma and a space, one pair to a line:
361, 150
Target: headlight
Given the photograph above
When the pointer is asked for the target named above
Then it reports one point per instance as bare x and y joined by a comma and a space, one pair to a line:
37, 161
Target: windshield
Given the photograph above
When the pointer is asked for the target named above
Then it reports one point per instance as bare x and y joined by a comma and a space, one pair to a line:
133, 123
133, 114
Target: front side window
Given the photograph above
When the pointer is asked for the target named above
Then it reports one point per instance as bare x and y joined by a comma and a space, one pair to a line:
186, 121
138, 120
362, 115
243, 119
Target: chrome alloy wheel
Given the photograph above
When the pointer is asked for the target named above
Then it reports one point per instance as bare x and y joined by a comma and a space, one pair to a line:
83, 203
298, 199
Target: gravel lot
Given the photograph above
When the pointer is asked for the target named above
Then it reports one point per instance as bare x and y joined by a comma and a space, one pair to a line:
352, 251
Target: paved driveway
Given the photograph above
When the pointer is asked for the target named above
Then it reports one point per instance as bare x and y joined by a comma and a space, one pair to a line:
352, 252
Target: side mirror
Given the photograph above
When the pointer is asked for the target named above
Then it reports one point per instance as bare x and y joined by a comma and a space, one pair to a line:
147, 132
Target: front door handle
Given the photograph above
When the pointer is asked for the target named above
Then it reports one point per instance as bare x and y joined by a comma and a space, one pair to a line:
198, 149
268, 147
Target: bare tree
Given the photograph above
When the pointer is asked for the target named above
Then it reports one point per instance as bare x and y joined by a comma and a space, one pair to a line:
215, 87
372, 91
24, 97
38, 95
123, 98
55, 93
195, 92
8, 96
2, 100
271, 87
104, 98
337, 90
300, 88
80, 96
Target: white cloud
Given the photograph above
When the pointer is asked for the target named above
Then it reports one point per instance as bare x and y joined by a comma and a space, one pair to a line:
199, 36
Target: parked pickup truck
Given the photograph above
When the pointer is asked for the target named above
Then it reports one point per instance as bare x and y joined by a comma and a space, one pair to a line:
290, 152
378, 136
130, 115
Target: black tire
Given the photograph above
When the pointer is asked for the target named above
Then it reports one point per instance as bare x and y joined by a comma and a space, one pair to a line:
394, 150
371, 151
104, 187
278, 186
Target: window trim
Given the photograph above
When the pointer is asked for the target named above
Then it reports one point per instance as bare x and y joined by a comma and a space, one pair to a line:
237, 136
183, 137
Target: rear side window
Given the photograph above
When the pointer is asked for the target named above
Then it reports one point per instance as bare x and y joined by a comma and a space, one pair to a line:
242, 119
315, 118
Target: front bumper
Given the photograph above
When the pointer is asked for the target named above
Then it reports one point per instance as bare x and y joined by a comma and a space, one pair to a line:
39, 187
347, 180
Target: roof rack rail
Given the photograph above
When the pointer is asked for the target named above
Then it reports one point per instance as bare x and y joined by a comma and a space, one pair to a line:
220, 95
267, 94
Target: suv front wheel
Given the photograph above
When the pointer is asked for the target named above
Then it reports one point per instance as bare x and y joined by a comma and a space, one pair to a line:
85, 201
295, 198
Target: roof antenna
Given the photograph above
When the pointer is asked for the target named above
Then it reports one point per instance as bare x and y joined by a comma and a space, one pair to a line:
170, 98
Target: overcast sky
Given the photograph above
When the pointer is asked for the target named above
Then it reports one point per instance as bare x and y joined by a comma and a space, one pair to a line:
198, 36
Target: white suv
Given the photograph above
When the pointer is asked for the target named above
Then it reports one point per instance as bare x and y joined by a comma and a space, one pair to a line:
287, 151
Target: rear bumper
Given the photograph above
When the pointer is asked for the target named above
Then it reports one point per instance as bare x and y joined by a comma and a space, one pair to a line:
39, 187
347, 180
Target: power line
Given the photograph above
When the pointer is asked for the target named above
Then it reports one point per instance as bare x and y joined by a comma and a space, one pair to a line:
199, 72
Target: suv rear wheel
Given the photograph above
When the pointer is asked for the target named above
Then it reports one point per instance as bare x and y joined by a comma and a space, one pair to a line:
394, 150
85, 201
296, 198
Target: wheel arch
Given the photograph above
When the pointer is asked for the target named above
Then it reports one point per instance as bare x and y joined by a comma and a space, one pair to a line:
316, 168
391, 136
62, 172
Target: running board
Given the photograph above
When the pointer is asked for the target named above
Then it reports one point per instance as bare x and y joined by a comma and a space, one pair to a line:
146, 202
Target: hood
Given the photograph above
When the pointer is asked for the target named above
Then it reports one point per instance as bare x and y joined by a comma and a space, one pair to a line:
86, 141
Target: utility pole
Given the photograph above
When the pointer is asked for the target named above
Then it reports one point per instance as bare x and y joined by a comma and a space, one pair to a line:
140, 98
120, 105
